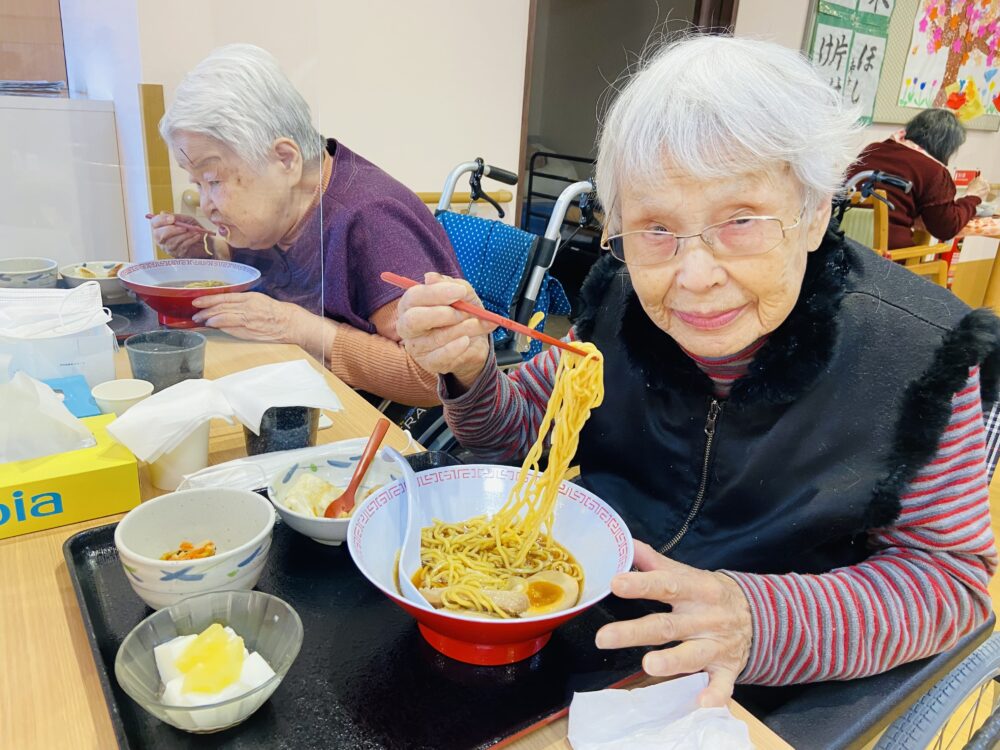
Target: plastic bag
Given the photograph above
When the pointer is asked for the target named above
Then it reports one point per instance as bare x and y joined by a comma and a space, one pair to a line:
56, 333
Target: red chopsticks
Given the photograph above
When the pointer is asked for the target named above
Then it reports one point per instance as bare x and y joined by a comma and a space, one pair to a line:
404, 283
186, 225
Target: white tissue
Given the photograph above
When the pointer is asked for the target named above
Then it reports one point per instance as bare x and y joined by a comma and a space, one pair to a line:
161, 422
297, 383
660, 717
50, 313
36, 422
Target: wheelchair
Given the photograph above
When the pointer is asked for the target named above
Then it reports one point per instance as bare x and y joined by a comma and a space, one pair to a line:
508, 268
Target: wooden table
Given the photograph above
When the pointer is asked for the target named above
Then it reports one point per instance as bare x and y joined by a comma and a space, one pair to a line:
988, 226
50, 696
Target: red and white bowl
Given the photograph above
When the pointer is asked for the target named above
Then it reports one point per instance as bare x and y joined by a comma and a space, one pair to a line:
592, 532
173, 303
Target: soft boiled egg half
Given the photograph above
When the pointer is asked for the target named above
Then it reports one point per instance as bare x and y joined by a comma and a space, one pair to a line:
211, 667
548, 591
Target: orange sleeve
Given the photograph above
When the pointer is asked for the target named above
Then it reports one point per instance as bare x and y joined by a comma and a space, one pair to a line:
377, 362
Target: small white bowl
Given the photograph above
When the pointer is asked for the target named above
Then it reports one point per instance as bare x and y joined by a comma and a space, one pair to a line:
112, 290
117, 396
336, 467
237, 521
28, 272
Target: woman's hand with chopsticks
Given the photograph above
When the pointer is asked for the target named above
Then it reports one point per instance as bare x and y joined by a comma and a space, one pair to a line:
182, 236
440, 338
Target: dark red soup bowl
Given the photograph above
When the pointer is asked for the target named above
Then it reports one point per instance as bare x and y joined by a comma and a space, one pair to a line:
165, 285
592, 532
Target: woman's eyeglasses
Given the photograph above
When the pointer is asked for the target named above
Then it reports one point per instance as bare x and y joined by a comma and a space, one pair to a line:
736, 238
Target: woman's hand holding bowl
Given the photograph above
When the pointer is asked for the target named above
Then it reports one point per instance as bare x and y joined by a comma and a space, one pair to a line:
709, 615
440, 338
252, 316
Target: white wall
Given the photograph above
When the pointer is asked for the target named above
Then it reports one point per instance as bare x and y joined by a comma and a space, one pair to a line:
780, 21
414, 87
102, 61
61, 194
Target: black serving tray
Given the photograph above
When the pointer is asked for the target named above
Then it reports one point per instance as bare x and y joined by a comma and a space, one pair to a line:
365, 678
131, 317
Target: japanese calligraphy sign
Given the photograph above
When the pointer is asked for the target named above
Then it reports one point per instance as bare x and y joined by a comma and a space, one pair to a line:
848, 47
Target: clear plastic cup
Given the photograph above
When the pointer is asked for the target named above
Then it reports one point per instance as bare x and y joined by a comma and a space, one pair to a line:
165, 358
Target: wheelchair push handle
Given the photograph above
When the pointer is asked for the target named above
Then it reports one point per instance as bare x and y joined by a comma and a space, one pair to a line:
890, 179
864, 182
478, 169
500, 175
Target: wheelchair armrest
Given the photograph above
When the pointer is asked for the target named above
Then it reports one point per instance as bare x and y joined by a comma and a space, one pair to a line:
850, 714
508, 356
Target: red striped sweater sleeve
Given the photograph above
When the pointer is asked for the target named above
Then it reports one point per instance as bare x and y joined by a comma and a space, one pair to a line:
499, 416
922, 588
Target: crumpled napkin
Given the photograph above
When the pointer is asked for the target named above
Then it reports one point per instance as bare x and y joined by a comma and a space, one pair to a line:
36, 423
161, 422
660, 717
296, 383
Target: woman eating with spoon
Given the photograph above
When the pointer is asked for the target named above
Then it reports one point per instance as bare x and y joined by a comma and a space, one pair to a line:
315, 218
791, 424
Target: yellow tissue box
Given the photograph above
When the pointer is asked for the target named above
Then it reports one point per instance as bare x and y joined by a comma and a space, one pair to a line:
64, 488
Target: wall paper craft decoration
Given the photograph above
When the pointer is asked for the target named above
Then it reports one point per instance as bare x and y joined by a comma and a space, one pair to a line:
953, 57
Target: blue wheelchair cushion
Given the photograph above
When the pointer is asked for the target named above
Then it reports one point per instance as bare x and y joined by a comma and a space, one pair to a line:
493, 257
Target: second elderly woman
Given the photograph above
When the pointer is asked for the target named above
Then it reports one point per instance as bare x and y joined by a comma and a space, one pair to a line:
317, 219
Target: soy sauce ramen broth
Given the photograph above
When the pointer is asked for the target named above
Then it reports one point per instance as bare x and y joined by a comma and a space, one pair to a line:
539, 592
208, 284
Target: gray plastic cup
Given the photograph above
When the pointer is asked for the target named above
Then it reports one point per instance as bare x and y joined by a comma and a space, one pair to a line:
283, 428
165, 358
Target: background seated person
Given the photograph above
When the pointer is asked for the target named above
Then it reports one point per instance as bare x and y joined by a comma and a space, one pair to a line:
317, 219
803, 520
920, 154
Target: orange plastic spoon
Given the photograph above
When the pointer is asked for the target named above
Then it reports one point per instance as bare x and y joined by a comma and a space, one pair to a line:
345, 503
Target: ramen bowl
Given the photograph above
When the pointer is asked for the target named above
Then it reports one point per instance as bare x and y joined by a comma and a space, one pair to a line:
104, 272
584, 524
165, 285
28, 272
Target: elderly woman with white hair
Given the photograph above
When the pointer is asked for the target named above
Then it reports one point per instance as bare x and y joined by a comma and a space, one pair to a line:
792, 424
318, 220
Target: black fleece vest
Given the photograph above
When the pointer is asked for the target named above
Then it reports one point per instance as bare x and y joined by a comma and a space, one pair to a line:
842, 405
